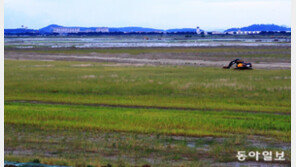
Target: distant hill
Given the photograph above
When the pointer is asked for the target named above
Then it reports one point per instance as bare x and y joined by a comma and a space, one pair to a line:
19, 31
49, 28
261, 27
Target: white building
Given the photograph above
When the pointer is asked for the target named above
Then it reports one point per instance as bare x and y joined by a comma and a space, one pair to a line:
231, 32
239, 32
65, 30
88, 30
216, 33
102, 29
198, 31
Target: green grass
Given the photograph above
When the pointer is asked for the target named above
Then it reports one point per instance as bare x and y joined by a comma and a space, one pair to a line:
74, 147
242, 106
170, 122
158, 86
82, 135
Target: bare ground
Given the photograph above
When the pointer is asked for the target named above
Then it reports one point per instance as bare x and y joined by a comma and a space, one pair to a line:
200, 59
151, 149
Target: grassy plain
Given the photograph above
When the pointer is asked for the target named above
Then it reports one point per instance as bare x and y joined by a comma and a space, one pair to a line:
171, 122
75, 147
85, 113
157, 86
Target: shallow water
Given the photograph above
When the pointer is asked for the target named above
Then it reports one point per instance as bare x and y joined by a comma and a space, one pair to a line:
105, 42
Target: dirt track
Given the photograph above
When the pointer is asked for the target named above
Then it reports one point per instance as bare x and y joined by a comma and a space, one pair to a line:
150, 59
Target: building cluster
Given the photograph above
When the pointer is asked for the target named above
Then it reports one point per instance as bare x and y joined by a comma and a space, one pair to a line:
62, 30
238, 32
67, 30
102, 29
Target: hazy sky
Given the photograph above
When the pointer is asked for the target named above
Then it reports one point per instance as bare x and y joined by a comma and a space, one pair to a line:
165, 14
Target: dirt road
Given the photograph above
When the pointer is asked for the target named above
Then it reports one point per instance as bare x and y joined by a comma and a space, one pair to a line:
160, 59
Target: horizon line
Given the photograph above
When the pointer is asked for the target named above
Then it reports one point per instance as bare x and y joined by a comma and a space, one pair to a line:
22, 26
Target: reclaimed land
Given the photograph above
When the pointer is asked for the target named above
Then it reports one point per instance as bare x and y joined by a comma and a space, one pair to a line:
91, 113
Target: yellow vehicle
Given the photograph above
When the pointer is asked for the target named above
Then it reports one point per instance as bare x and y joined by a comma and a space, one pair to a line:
240, 65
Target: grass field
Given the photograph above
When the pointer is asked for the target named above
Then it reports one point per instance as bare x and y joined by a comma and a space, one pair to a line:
165, 86
86, 113
171, 122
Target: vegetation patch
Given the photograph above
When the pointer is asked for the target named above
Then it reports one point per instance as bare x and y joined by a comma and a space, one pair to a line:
199, 88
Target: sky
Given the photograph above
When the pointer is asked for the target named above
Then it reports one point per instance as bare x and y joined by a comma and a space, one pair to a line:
164, 14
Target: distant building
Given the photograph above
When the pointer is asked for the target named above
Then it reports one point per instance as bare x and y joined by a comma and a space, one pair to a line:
66, 30
231, 32
217, 33
102, 29
24, 27
88, 31
239, 32
198, 31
